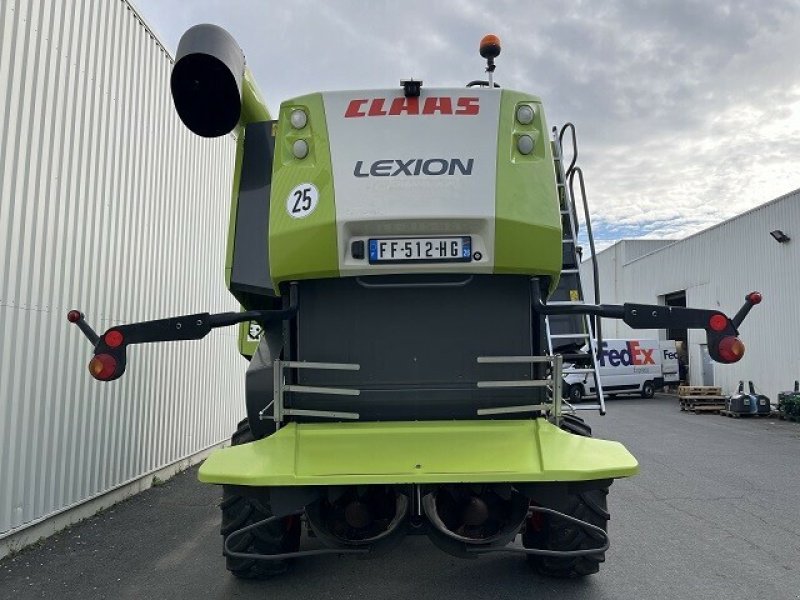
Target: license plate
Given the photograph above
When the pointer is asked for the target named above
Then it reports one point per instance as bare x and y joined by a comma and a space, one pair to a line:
439, 249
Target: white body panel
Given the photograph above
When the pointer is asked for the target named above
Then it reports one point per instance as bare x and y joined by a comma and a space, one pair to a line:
669, 361
377, 197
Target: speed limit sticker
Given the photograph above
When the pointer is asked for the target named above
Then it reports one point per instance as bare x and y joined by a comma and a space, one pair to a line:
302, 201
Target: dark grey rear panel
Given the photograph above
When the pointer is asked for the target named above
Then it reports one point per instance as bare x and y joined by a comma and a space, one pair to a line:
417, 341
250, 269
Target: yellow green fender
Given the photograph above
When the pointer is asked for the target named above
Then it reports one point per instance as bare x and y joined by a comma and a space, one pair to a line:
532, 450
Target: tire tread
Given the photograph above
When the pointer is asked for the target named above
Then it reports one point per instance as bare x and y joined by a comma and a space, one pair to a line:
588, 505
239, 511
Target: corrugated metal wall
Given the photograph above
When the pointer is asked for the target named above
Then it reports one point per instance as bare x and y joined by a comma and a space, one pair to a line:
717, 267
107, 204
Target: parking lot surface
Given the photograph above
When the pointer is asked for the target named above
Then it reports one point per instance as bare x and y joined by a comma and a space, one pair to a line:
713, 514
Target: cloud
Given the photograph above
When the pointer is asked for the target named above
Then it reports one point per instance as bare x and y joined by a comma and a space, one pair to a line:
688, 112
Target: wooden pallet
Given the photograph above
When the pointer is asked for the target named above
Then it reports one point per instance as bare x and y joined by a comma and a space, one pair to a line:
709, 404
712, 409
702, 403
699, 390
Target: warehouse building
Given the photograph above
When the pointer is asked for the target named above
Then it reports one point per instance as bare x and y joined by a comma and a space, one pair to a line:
715, 268
109, 205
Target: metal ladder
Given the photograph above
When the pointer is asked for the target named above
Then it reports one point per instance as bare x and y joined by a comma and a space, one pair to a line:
561, 330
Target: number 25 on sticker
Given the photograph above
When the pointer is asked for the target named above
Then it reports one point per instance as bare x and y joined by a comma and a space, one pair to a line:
302, 201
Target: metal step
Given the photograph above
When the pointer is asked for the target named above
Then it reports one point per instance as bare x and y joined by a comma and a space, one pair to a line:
567, 336
599, 407
521, 383
572, 358
570, 271
564, 302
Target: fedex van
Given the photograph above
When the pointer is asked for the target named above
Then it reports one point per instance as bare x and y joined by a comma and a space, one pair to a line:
626, 367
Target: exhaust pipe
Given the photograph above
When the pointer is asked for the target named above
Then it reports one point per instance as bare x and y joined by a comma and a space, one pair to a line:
212, 88
474, 515
359, 516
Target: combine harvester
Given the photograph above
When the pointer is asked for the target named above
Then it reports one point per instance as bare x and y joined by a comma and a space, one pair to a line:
410, 258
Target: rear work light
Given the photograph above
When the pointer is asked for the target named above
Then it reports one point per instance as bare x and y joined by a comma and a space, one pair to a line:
102, 367
731, 349
298, 118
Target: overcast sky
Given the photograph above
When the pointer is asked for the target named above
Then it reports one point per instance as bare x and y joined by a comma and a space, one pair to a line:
687, 112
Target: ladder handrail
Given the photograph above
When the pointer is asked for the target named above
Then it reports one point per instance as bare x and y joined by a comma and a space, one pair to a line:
571, 127
569, 201
595, 268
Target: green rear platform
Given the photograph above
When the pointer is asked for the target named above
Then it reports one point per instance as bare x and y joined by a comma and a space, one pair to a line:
420, 452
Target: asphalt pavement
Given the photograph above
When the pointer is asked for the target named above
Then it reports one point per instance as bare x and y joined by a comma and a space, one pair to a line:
715, 513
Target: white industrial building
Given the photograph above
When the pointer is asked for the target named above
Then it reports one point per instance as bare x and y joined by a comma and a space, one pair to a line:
108, 204
715, 268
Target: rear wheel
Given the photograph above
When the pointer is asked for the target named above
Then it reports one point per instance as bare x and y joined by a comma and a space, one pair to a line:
574, 424
275, 538
575, 393
547, 532
648, 389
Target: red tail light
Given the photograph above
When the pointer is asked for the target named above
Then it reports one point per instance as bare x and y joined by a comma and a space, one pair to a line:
754, 297
102, 367
731, 349
718, 322
113, 338
74, 316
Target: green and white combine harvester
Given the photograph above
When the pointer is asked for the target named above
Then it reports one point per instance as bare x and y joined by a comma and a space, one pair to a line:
407, 268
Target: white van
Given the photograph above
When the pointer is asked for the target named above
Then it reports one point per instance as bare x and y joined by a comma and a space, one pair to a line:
627, 367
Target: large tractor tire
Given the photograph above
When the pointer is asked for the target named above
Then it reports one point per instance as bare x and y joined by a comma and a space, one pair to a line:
574, 424
546, 532
275, 538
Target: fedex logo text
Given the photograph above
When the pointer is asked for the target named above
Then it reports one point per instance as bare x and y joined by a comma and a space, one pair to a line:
432, 105
632, 354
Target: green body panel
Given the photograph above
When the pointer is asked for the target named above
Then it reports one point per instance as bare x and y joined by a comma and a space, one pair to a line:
254, 109
419, 452
302, 248
247, 346
527, 216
